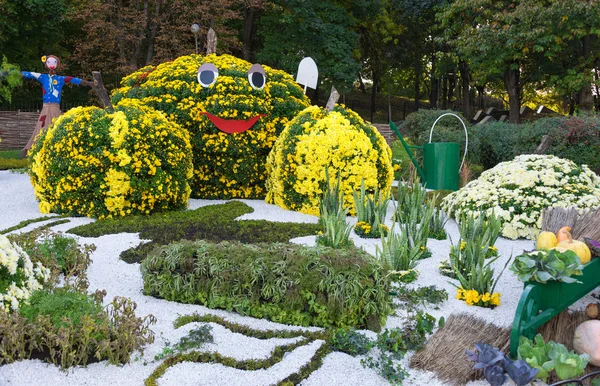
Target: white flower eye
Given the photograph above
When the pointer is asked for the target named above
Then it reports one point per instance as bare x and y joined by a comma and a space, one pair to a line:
207, 74
256, 77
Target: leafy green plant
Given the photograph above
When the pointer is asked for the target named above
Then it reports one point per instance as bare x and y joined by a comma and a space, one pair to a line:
551, 356
349, 341
10, 77
412, 297
285, 283
542, 266
195, 339
397, 251
371, 210
70, 328
333, 216
470, 264
436, 227
497, 366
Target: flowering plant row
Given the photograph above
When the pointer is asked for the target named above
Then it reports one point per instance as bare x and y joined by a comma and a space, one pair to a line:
316, 141
226, 165
474, 298
518, 191
18, 276
99, 164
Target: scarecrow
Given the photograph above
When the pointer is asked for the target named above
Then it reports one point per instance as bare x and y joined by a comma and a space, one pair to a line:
52, 85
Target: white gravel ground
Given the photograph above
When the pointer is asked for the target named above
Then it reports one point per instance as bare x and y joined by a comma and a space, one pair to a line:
107, 272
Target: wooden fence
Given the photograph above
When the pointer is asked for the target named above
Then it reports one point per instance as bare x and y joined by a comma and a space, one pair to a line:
16, 127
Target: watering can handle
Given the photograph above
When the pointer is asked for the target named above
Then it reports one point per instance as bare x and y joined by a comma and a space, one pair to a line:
466, 135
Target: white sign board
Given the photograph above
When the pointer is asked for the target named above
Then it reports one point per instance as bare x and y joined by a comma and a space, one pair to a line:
308, 73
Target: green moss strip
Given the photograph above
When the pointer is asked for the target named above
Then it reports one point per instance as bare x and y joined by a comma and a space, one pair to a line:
249, 365
51, 224
24, 223
248, 331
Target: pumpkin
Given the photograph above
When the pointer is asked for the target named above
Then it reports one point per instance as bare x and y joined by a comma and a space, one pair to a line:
561, 235
578, 247
545, 241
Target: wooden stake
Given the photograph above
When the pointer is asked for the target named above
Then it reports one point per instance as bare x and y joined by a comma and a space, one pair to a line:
101, 91
211, 42
333, 98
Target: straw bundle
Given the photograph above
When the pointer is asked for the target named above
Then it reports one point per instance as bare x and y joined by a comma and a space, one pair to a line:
444, 353
582, 223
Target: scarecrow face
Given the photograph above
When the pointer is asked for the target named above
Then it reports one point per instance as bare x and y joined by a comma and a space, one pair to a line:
51, 63
232, 109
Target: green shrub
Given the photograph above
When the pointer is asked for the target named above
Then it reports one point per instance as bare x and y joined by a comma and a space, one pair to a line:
574, 138
497, 142
69, 328
213, 223
349, 341
10, 164
285, 283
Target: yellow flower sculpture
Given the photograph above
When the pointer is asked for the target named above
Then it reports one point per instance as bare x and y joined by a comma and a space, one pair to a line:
314, 141
97, 164
233, 110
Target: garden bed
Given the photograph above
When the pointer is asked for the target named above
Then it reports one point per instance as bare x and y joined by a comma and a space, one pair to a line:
107, 271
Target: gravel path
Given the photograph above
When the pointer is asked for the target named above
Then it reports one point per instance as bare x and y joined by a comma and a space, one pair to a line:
107, 272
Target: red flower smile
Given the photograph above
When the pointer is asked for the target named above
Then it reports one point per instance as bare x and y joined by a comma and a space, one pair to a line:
231, 126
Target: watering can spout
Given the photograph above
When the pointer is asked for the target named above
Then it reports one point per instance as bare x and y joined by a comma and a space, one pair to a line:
408, 149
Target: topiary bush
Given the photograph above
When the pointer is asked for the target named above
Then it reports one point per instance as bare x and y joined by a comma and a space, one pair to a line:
70, 328
316, 140
232, 110
518, 191
18, 276
285, 283
94, 163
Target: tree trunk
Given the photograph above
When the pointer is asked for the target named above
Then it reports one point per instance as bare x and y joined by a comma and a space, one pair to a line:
513, 87
433, 97
463, 67
586, 101
361, 84
417, 68
480, 90
445, 92
137, 45
451, 86
250, 16
597, 81
155, 21
374, 94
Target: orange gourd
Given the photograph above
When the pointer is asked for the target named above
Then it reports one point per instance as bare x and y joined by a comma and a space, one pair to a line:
579, 247
563, 234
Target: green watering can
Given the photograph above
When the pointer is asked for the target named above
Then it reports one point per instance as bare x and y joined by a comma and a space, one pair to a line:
440, 159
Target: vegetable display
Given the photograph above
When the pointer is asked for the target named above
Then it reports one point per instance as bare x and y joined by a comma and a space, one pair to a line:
542, 266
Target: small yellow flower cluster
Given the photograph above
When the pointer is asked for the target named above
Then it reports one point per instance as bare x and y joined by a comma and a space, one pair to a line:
93, 163
491, 252
225, 165
317, 140
473, 298
18, 276
365, 230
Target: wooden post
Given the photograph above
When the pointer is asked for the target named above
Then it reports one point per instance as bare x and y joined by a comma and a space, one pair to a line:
101, 91
333, 98
544, 145
211, 42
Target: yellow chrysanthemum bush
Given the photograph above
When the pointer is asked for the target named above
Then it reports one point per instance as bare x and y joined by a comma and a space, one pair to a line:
94, 163
233, 110
316, 140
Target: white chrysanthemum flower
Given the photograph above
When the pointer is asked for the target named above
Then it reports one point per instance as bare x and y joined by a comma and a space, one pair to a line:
518, 191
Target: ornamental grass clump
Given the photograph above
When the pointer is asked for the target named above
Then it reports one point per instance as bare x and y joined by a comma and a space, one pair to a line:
336, 230
370, 212
284, 283
232, 110
19, 277
518, 191
471, 265
94, 163
316, 140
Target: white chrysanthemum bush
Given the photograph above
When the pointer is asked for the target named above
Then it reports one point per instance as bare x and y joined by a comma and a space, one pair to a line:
18, 276
519, 190
316, 140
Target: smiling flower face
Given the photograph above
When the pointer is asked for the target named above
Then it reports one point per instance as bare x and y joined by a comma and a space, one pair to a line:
233, 110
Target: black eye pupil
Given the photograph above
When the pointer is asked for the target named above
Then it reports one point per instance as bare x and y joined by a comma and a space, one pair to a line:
258, 79
207, 77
